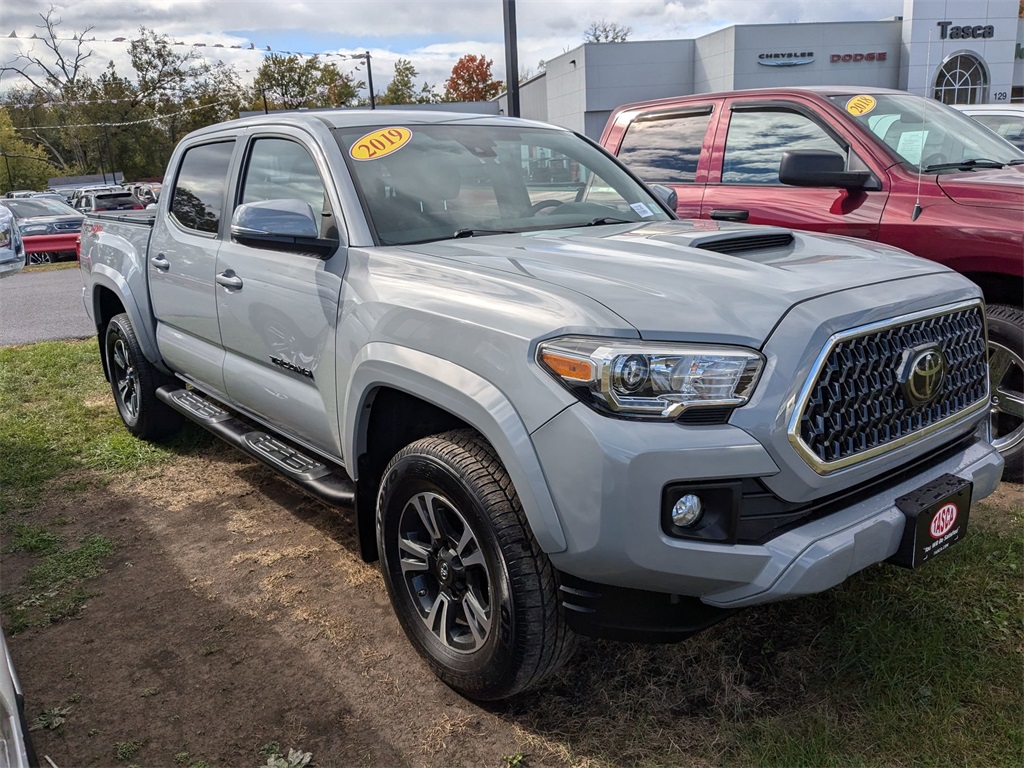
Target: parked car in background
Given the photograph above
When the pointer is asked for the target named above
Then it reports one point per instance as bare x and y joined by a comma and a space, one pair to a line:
878, 164
108, 201
1007, 120
12, 249
49, 227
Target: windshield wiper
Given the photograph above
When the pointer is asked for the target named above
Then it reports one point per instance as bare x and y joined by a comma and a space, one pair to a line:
600, 220
966, 165
477, 232
1018, 161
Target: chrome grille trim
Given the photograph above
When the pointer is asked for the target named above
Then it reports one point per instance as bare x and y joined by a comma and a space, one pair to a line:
806, 391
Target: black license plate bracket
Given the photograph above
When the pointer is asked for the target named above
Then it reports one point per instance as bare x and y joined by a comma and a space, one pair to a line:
936, 518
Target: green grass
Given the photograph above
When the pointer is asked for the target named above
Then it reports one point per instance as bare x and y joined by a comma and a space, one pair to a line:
60, 434
60, 421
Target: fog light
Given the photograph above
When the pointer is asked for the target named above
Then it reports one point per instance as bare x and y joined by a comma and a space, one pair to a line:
687, 511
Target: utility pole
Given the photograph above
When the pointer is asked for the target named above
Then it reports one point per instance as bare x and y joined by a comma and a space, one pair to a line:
511, 58
369, 79
10, 179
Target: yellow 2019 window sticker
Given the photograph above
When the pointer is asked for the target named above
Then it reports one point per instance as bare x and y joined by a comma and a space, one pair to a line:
380, 143
860, 105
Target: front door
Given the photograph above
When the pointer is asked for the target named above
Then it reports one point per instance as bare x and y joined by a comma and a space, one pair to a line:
278, 309
744, 181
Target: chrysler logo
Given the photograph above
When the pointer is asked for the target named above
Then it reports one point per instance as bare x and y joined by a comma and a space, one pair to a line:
922, 373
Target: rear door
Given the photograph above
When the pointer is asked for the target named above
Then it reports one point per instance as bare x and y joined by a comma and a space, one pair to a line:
182, 260
743, 182
673, 147
278, 309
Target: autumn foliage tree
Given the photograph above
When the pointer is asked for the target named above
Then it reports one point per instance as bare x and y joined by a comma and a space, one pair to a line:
471, 80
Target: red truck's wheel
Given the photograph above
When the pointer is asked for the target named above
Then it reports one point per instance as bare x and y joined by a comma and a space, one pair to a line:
134, 381
473, 591
1006, 367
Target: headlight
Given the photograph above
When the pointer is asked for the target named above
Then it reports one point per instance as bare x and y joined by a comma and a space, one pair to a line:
651, 379
35, 229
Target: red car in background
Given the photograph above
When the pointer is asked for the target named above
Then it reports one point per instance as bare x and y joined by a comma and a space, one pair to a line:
48, 227
871, 163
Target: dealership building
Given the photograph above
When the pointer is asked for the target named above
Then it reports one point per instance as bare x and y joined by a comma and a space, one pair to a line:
953, 50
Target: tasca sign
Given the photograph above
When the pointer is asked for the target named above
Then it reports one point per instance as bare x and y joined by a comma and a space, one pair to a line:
950, 31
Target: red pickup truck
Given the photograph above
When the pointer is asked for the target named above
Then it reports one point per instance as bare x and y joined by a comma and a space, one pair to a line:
876, 164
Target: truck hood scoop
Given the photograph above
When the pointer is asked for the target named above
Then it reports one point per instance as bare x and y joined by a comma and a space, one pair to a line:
742, 243
696, 280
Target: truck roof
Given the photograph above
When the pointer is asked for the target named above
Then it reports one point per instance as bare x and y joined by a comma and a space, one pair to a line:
345, 118
794, 90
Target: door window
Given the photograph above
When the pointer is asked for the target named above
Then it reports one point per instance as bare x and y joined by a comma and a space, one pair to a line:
665, 150
198, 199
757, 139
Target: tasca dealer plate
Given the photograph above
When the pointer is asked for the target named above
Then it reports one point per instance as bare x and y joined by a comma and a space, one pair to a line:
936, 520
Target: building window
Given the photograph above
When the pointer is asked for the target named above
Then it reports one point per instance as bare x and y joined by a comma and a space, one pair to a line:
962, 79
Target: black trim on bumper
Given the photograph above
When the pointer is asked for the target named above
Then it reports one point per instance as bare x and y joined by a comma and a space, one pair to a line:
633, 615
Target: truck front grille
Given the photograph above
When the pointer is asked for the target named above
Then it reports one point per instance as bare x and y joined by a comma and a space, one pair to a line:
854, 405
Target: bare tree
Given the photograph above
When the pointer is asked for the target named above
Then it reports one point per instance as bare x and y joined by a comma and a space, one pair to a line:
603, 31
63, 65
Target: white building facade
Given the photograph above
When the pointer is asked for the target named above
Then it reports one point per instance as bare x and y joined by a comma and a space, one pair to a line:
957, 51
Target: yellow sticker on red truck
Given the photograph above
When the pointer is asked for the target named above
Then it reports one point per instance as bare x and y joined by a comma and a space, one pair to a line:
379, 143
860, 105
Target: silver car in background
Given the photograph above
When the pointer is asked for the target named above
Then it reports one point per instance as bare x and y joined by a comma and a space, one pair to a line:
12, 249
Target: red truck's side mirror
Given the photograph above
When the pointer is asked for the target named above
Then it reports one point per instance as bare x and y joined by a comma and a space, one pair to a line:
819, 168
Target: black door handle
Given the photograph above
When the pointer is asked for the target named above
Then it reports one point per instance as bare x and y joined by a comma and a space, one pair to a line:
729, 214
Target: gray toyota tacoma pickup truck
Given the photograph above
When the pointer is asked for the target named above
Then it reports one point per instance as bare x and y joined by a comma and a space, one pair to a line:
554, 408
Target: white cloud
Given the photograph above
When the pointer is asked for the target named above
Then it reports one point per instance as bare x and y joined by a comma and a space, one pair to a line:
440, 30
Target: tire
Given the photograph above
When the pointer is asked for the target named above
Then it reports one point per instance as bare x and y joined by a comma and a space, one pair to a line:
473, 591
1006, 367
134, 381
42, 258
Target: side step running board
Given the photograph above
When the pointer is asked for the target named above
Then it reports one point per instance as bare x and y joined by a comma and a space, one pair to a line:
325, 482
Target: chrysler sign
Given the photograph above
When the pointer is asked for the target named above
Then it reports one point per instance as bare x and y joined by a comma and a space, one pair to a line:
788, 59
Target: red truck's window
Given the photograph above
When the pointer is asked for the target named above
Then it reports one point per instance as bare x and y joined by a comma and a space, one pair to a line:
199, 191
665, 150
757, 139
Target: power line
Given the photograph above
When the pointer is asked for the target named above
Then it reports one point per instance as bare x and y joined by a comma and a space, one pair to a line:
118, 125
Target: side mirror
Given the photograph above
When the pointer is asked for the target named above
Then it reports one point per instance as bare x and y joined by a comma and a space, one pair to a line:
284, 225
667, 195
819, 168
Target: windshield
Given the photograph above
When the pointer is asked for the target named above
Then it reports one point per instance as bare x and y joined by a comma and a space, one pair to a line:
926, 134
433, 182
28, 207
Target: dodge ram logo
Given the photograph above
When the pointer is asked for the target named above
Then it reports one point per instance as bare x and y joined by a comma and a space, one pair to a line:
922, 373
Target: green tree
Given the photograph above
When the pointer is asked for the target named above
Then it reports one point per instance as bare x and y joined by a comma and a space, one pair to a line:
471, 80
289, 82
24, 165
402, 88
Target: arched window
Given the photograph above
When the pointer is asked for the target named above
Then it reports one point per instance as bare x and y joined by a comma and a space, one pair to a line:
962, 79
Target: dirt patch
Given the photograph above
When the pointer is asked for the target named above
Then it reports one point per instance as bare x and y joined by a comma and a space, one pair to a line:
237, 612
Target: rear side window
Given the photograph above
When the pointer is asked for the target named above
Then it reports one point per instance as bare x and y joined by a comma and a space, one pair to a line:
665, 150
757, 139
198, 200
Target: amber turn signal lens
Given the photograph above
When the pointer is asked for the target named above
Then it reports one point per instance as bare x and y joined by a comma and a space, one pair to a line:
568, 367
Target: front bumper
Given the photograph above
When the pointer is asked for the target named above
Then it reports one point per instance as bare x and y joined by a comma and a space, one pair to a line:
607, 476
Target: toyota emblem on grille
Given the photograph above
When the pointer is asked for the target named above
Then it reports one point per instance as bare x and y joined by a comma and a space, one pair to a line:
922, 373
